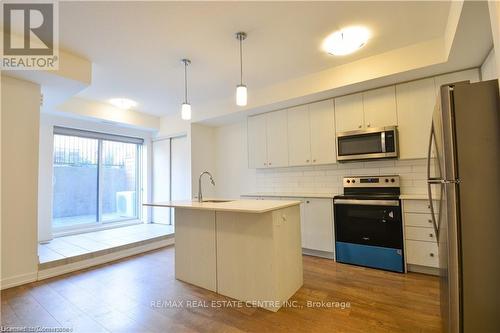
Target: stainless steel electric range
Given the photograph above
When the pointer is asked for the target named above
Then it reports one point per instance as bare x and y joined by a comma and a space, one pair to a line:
368, 223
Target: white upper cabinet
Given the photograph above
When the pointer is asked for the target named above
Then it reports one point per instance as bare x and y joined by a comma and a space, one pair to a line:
299, 135
471, 75
277, 139
349, 113
373, 108
322, 122
415, 105
379, 106
268, 140
311, 134
257, 142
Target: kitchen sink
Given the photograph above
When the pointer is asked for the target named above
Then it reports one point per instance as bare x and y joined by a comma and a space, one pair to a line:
216, 201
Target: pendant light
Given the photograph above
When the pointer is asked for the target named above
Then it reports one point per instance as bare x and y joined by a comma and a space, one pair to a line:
241, 89
186, 107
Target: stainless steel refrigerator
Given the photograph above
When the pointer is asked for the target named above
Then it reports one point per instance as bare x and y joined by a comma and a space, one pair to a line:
464, 192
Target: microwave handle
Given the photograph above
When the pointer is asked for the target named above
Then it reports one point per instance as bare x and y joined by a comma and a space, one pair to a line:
382, 141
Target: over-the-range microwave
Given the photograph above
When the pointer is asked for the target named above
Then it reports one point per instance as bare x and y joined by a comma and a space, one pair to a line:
370, 143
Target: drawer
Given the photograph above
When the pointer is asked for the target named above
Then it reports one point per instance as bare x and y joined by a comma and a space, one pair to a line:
422, 253
419, 206
420, 234
418, 220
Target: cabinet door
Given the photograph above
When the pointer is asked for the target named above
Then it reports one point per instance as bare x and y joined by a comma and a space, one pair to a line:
379, 107
277, 139
318, 224
349, 113
471, 75
322, 122
299, 145
257, 147
415, 105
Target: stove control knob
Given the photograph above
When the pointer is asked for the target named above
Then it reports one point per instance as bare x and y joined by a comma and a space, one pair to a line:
386, 180
392, 180
348, 181
353, 181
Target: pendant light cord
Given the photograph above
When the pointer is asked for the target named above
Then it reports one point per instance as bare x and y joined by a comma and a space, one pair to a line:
185, 83
241, 60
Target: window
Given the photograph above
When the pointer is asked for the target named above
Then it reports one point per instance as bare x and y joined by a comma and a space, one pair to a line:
95, 179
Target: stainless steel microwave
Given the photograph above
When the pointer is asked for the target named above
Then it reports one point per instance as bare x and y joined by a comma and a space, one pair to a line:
370, 143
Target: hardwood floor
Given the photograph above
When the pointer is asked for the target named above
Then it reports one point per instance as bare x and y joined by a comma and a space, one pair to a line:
130, 296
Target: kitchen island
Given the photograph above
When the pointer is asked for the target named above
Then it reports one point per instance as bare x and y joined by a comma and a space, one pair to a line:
249, 250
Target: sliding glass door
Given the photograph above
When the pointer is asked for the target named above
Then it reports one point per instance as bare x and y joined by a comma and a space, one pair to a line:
95, 179
119, 181
75, 178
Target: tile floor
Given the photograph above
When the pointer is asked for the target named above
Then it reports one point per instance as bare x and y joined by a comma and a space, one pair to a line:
76, 245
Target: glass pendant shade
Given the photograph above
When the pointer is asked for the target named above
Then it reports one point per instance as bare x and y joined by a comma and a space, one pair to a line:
241, 95
186, 111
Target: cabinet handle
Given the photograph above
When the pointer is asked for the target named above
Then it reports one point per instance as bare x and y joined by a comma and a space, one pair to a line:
431, 235
368, 125
430, 221
307, 201
265, 164
431, 254
270, 163
360, 126
429, 206
307, 161
314, 161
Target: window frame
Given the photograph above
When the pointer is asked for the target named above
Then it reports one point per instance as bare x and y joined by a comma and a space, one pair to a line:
101, 137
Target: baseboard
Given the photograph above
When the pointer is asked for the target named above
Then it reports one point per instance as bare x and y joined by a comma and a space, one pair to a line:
75, 266
316, 253
423, 269
18, 280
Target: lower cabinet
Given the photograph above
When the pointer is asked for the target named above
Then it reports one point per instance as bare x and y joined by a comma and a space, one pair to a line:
420, 238
316, 218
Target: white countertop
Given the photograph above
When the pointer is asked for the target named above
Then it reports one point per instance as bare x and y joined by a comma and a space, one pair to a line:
241, 206
290, 195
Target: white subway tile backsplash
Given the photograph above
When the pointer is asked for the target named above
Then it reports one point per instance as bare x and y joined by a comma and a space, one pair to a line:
328, 178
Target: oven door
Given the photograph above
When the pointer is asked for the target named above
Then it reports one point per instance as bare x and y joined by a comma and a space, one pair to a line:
369, 222
367, 144
369, 233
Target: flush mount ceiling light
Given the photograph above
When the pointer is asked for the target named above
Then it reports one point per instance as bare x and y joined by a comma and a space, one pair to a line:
346, 41
123, 103
241, 89
186, 107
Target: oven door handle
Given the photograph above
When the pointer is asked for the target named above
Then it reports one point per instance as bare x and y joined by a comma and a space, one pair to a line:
366, 202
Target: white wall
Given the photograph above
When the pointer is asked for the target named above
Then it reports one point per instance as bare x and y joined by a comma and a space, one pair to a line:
202, 158
494, 9
47, 123
20, 112
231, 161
489, 67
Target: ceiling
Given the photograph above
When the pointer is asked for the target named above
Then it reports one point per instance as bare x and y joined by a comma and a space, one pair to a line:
136, 47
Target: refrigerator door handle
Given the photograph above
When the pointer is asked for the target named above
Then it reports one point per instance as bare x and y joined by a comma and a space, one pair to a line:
429, 152
430, 181
433, 216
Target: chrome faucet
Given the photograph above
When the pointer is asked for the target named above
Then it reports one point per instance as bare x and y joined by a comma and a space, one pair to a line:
200, 195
